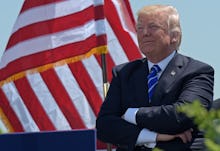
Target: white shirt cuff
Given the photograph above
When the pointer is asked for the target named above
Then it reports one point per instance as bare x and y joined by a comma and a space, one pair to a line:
147, 138
130, 115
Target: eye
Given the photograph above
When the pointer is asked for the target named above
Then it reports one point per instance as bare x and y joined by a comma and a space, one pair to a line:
139, 27
153, 27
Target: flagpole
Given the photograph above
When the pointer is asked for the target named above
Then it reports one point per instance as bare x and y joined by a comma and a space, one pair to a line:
105, 86
104, 74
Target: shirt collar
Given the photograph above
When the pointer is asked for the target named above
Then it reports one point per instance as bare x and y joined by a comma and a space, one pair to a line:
163, 63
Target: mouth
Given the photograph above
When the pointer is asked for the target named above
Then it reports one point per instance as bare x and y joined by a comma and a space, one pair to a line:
147, 42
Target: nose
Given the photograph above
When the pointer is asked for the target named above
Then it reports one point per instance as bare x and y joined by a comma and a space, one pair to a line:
146, 32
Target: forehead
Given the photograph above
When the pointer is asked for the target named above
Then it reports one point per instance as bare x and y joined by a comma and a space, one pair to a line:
155, 17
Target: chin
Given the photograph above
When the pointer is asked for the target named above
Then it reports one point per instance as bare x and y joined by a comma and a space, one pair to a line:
146, 51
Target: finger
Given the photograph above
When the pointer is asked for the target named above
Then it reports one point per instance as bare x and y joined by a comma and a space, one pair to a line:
183, 137
188, 135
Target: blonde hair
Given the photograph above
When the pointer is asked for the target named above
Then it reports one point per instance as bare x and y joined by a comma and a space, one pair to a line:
173, 20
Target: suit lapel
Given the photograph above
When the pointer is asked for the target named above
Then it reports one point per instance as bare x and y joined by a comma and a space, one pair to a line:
168, 77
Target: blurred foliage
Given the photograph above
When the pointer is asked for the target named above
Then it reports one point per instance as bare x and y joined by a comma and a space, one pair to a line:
207, 121
157, 149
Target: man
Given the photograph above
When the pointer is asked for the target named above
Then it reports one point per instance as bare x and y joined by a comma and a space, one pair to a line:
140, 109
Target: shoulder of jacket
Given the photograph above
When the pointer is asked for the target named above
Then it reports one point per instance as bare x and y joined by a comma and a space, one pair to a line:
129, 65
194, 62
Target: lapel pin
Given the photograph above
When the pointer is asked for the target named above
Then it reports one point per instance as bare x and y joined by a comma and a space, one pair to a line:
173, 73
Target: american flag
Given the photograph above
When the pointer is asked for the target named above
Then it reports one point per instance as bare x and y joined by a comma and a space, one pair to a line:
50, 72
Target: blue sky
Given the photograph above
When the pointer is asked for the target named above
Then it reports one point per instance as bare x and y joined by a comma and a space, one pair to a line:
199, 19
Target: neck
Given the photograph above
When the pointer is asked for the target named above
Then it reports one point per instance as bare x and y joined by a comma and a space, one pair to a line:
157, 58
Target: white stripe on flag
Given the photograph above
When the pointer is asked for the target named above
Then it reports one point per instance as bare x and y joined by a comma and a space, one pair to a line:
51, 41
95, 73
47, 101
46, 12
114, 47
19, 107
124, 23
76, 95
98, 2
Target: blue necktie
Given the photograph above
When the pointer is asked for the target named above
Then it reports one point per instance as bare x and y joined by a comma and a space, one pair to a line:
152, 80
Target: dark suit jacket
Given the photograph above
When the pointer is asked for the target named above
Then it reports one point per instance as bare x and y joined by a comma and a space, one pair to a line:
183, 81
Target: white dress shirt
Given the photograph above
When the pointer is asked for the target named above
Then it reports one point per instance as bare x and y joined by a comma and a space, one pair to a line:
147, 137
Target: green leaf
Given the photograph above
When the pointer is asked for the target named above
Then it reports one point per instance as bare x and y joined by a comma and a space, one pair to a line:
207, 121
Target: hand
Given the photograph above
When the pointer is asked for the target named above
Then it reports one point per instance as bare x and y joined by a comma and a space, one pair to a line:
186, 136
165, 137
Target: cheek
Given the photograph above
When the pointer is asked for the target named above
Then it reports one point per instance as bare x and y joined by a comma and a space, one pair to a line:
139, 35
165, 39
139, 38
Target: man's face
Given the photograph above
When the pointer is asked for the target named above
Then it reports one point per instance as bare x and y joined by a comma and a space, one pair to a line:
153, 35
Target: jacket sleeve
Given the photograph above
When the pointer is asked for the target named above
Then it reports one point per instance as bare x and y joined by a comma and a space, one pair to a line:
110, 126
195, 85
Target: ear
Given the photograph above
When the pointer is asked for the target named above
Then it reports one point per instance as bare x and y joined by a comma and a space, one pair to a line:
173, 40
174, 37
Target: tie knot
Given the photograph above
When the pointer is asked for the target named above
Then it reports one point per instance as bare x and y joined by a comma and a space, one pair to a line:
155, 69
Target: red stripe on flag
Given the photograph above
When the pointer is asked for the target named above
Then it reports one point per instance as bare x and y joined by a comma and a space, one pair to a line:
9, 112
131, 48
87, 86
62, 98
33, 105
34, 3
51, 56
55, 25
128, 8
101, 145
